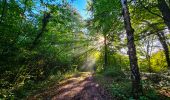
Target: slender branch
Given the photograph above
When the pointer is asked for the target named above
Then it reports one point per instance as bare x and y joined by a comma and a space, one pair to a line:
146, 8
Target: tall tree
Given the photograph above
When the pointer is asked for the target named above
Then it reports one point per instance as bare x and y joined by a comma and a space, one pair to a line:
135, 75
164, 44
165, 10
105, 20
162, 40
105, 51
45, 21
148, 14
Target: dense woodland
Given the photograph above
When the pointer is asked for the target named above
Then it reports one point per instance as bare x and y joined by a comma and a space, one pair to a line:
44, 41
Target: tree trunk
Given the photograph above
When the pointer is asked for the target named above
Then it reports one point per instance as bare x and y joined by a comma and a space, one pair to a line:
165, 10
135, 75
45, 21
148, 57
162, 40
105, 51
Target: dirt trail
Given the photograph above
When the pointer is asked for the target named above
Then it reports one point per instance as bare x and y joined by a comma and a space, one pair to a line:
79, 87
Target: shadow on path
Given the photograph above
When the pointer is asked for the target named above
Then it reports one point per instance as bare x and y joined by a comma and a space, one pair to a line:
79, 87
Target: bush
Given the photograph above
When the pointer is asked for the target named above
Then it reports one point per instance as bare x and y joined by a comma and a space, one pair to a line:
114, 72
121, 90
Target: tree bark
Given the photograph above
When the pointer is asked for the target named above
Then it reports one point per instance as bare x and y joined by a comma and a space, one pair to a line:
135, 75
162, 40
165, 10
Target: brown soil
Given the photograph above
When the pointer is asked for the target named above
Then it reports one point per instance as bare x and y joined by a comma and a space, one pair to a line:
79, 87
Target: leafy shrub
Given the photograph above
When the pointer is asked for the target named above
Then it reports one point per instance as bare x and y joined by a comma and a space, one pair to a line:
114, 72
121, 90
158, 62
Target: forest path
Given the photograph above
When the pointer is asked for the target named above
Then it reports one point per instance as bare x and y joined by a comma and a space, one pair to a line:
81, 86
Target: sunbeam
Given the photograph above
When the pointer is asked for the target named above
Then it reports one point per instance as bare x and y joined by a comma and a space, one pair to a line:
94, 53
96, 44
90, 63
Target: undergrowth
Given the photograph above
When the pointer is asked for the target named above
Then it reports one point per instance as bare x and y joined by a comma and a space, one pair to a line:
32, 87
118, 83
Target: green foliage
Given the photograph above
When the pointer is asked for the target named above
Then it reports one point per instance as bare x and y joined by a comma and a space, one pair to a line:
158, 62
150, 91
143, 65
41, 41
117, 86
33, 47
114, 72
119, 61
151, 94
116, 61
119, 90
120, 87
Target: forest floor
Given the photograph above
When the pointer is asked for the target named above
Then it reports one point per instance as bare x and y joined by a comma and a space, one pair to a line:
81, 86
89, 86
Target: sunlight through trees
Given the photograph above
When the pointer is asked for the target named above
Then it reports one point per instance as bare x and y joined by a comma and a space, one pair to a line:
120, 48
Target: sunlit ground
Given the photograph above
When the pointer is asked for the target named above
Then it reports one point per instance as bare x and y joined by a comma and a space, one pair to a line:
69, 88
